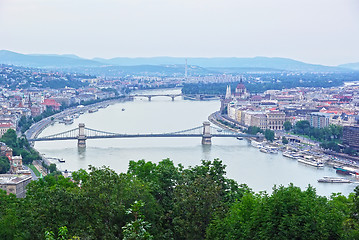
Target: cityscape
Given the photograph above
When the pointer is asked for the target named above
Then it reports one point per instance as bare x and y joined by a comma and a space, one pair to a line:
178, 125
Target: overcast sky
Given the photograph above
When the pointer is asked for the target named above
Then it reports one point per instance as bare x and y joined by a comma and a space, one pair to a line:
314, 31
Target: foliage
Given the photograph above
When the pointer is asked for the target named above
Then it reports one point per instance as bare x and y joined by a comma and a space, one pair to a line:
287, 125
4, 165
288, 213
284, 140
333, 132
254, 130
269, 135
165, 201
52, 167
20, 146
136, 229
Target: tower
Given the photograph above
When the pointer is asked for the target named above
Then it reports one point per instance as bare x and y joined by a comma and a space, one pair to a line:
228, 92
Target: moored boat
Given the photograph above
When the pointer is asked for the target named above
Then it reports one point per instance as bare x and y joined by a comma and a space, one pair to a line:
68, 120
310, 161
334, 180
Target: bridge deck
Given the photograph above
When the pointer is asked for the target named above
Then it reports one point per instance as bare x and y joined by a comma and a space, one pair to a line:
141, 136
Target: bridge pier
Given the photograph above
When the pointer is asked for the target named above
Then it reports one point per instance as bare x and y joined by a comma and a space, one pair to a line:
207, 136
81, 139
149, 98
173, 98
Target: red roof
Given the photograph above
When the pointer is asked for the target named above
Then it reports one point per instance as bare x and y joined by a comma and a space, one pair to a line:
51, 102
6, 125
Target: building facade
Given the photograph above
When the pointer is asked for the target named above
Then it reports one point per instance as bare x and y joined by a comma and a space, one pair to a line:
351, 136
15, 184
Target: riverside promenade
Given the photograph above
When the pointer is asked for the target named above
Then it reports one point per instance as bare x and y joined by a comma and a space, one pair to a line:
39, 126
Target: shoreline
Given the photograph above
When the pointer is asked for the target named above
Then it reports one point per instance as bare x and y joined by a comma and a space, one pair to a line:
36, 129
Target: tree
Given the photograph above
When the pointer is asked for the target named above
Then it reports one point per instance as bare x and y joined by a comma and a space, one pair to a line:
288, 213
287, 125
269, 135
284, 140
52, 167
137, 228
4, 165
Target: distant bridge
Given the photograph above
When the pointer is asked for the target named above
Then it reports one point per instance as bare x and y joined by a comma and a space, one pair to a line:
150, 96
82, 133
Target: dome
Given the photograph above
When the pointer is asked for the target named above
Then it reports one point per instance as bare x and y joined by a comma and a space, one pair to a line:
241, 86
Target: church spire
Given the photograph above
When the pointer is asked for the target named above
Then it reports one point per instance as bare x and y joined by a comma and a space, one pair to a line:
228, 92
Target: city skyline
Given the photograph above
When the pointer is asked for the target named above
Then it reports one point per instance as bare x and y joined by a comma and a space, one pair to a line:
319, 32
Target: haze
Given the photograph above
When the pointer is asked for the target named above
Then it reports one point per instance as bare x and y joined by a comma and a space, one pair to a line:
320, 31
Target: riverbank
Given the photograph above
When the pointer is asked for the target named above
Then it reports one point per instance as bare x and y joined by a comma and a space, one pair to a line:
332, 157
38, 127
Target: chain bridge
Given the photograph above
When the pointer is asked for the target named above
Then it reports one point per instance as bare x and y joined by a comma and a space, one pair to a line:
82, 133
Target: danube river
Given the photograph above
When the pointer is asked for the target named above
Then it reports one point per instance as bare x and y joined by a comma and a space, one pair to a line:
245, 164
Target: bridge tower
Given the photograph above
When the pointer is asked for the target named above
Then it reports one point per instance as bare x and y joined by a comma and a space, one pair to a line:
207, 136
81, 139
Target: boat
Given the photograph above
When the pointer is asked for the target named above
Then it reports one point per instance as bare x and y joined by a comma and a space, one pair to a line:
272, 150
263, 150
93, 110
240, 138
334, 180
342, 171
61, 160
219, 130
256, 144
310, 161
68, 120
289, 154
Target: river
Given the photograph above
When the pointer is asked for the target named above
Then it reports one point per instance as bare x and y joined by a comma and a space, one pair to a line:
245, 164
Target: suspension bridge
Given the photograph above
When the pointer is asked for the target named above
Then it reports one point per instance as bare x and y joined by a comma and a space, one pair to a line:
82, 133
150, 96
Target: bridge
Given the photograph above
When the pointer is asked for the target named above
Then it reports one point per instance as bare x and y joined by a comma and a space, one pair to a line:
82, 133
150, 96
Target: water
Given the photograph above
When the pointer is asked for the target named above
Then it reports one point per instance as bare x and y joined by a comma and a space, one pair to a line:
244, 163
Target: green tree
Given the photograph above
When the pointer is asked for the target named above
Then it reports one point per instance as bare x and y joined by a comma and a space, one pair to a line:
287, 125
4, 165
269, 135
52, 167
284, 140
137, 228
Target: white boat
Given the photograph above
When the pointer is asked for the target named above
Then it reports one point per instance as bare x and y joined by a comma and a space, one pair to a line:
256, 144
263, 150
68, 120
93, 110
240, 138
310, 161
289, 154
334, 180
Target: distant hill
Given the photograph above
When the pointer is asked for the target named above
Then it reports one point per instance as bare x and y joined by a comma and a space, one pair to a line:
170, 64
45, 61
239, 63
353, 66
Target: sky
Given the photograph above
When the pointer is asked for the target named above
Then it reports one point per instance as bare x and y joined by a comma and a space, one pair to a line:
314, 31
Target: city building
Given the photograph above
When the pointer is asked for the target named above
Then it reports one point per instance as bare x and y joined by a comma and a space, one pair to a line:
15, 164
275, 120
15, 184
351, 136
319, 119
4, 127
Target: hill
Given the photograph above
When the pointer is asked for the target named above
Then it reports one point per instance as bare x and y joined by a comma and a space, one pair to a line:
207, 65
353, 66
44, 61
